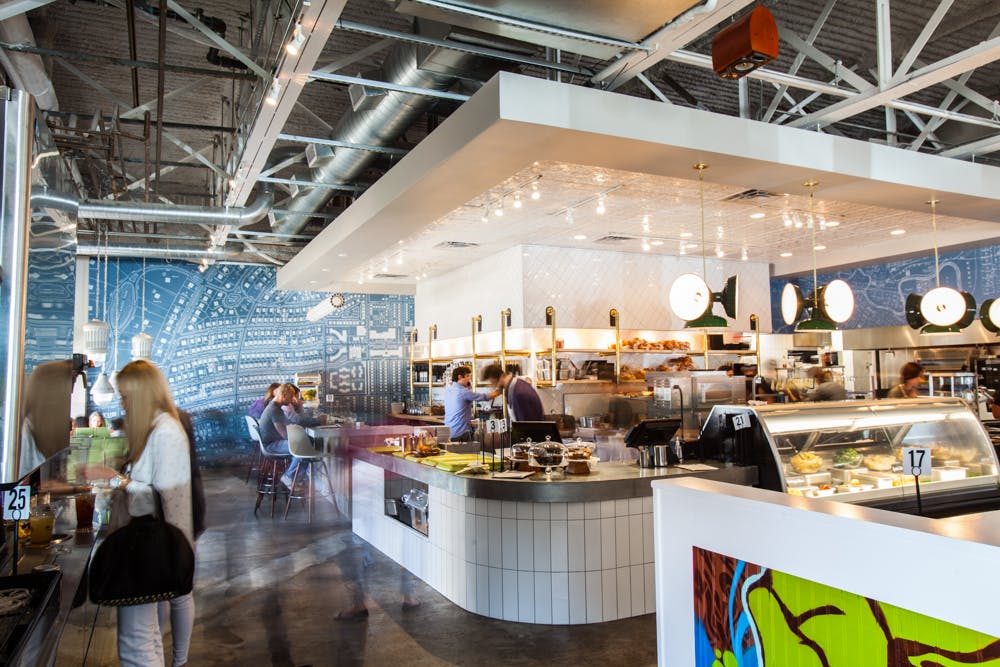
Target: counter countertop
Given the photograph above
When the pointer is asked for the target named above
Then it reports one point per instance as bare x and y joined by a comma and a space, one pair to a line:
608, 481
426, 419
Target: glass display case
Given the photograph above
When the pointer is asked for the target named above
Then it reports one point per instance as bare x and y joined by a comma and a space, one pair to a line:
852, 451
962, 385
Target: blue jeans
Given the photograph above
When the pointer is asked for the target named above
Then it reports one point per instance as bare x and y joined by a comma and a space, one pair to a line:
281, 447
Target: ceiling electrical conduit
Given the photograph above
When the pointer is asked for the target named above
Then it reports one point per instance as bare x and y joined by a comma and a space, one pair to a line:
155, 213
379, 126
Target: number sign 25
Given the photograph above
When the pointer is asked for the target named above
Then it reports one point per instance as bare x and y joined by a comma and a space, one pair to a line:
16, 503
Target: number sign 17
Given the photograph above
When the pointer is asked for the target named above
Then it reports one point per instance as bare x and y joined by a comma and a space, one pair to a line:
16, 503
917, 461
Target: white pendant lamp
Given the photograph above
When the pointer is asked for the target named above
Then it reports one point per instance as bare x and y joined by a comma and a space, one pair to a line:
142, 342
690, 297
97, 331
102, 392
828, 305
943, 309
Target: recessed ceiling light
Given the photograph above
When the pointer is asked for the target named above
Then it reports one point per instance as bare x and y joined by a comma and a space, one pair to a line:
686, 235
580, 237
324, 269
786, 254
313, 282
833, 223
757, 216
898, 232
657, 242
819, 247
692, 246
341, 254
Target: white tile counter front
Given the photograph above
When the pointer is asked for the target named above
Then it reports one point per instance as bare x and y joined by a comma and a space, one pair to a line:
531, 562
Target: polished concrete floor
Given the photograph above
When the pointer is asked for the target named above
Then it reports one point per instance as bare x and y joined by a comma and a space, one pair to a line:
268, 591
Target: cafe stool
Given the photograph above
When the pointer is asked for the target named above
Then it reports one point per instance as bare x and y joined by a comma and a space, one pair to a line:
254, 462
301, 447
271, 467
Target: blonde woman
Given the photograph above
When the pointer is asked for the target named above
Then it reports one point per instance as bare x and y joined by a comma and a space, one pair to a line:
158, 461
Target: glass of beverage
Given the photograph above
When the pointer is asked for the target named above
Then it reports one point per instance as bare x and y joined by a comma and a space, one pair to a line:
42, 521
84, 512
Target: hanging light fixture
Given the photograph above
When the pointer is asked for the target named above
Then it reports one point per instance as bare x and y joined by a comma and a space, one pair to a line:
828, 305
142, 342
97, 331
690, 297
989, 314
102, 392
942, 309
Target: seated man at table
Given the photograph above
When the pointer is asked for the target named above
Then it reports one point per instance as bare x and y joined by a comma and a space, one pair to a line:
458, 400
522, 399
296, 413
273, 431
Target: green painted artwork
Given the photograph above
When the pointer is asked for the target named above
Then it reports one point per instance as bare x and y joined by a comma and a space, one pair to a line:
747, 615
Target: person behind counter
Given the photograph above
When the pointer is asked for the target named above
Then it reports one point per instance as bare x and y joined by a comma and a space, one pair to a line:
96, 419
826, 388
458, 400
522, 399
910, 376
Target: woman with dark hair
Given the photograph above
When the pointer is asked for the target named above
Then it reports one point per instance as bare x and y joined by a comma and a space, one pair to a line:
257, 407
158, 464
910, 376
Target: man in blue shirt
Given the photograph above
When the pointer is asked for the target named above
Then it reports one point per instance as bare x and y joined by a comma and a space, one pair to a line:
458, 400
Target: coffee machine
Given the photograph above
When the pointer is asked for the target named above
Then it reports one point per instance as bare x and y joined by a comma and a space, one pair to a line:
651, 437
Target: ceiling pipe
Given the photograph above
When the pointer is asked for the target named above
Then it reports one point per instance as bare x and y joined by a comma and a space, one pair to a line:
27, 71
155, 213
379, 126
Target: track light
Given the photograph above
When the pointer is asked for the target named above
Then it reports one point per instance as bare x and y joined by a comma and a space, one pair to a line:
272, 94
600, 206
498, 211
297, 40
535, 193
517, 200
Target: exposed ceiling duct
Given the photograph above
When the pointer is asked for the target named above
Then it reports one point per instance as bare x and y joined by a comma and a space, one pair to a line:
155, 213
26, 70
377, 123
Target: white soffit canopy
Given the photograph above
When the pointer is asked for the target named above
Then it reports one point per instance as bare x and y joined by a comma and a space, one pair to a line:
513, 122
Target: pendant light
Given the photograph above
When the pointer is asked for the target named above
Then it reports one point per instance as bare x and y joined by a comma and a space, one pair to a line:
828, 305
96, 331
103, 392
943, 309
690, 297
142, 342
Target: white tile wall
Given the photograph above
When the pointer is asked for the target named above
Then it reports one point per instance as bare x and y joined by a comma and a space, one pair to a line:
552, 563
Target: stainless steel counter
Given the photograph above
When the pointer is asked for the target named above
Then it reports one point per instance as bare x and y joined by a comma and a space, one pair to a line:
608, 481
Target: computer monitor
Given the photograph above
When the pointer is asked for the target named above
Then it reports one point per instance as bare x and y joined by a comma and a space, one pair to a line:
652, 432
537, 431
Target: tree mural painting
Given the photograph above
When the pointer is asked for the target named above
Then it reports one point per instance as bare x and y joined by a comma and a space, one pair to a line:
747, 615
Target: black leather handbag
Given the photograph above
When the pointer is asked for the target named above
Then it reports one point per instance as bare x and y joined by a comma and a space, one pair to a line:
146, 560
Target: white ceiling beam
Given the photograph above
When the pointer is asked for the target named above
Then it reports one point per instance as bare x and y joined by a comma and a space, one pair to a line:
964, 61
12, 8
652, 87
140, 182
764, 74
921, 41
217, 40
356, 56
883, 42
318, 20
678, 33
973, 148
800, 58
834, 66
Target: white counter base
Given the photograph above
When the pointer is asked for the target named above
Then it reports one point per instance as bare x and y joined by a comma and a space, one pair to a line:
530, 562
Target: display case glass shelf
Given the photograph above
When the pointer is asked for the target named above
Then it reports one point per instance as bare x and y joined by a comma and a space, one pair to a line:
853, 450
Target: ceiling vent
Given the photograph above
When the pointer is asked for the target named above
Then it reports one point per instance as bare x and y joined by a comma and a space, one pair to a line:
392, 276
750, 194
457, 244
613, 238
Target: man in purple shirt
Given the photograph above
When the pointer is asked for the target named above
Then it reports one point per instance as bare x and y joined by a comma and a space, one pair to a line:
522, 399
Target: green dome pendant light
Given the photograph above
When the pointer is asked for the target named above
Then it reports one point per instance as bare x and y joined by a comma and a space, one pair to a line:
690, 297
943, 310
828, 305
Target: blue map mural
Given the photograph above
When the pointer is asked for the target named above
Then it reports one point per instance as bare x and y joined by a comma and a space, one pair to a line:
222, 336
880, 291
